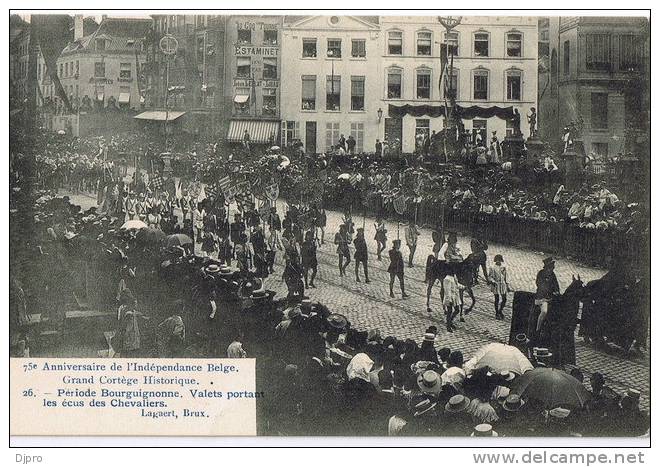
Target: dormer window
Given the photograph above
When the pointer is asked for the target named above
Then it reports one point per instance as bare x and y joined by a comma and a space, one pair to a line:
100, 44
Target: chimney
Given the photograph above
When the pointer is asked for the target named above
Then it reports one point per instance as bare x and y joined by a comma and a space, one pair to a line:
78, 27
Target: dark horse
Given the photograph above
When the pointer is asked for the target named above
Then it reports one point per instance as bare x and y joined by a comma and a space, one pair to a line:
558, 330
464, 270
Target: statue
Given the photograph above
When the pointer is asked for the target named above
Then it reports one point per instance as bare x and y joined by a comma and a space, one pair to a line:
567, 139
516, 123
531, 119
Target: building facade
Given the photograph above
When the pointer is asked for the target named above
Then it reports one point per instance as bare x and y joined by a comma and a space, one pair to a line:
332, 70
104, 69
596, 81
253, 78
191, 80
494, 65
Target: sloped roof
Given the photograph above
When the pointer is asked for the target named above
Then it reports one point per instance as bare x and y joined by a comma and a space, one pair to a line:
117, 32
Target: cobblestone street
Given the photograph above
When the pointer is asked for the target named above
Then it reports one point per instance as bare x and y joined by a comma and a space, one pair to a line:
369, 306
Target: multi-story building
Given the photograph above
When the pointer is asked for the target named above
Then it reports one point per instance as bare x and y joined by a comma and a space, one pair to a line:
331, 67
494, 65
597, 81
103, 69
191, 80
252, 77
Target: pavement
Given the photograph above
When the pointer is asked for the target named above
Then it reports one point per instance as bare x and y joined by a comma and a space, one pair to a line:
369, 306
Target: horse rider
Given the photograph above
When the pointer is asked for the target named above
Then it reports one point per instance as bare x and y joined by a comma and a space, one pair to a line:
547, 287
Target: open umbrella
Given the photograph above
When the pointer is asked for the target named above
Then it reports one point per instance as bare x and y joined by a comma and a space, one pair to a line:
150, 236
499, 357
134, 224
178, 240
553, 387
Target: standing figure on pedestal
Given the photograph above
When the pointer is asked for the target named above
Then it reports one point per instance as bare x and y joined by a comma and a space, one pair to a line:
495, 149
516, 123
531, 119
567, 139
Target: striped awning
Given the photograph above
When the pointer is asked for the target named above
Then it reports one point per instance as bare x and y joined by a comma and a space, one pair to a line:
159, 115
260, 131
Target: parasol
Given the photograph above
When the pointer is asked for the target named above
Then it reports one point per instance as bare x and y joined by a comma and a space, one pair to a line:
499, 357
134, 224
150, 235
178, 240
553, 387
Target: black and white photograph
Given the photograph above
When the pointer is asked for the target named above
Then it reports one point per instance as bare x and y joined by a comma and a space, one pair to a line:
411, 223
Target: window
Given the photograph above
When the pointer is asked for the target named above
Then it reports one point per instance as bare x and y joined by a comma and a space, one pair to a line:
125, 71
270, 36
567, 57
357, 131
39, 72
100, 44
513, 85
630, 51
77, 68
358, 48
333, 93
66, 69
99, 69
309, 92
600, 149
331, 135
451, 39
61, 69
424, 43
395, 43
242, 101
422, 127
481, 44
270, 68
599, 110
479, 131
309, 48
423, 84
269, 106
244, 36
243, 67
481, 85
291, 131
453, 85
334, 48
357, 92
598, 52
394, 84
514, 44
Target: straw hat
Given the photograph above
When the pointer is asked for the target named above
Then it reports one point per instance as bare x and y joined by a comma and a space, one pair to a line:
484, 430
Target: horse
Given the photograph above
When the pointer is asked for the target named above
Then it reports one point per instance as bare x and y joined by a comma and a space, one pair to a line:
465, 273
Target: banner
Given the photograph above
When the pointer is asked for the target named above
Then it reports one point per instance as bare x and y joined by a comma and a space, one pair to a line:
237, 189
400, 204
272, 192
264, 212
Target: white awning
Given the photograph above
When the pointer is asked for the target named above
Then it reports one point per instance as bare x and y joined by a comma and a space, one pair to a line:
260, 131
159, 115
241, 98
124, 97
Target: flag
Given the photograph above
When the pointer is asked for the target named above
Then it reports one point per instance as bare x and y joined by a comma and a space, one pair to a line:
400, 204
224, 183
156, 182
354, 179
201, 194
177, 188
212, 191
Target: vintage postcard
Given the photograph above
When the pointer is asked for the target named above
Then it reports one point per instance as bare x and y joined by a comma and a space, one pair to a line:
284, 224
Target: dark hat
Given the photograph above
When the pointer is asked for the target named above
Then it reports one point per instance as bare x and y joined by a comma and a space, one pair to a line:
457, 403
549, 260
498, 258
337, 321
513, 403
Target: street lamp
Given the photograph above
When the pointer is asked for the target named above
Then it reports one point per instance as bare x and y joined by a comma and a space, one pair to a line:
380, 114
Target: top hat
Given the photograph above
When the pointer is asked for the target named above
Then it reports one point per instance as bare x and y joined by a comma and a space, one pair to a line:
549, 260
457, 403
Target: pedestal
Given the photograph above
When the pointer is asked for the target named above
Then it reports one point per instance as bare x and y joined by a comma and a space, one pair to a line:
574, 169
513, 147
